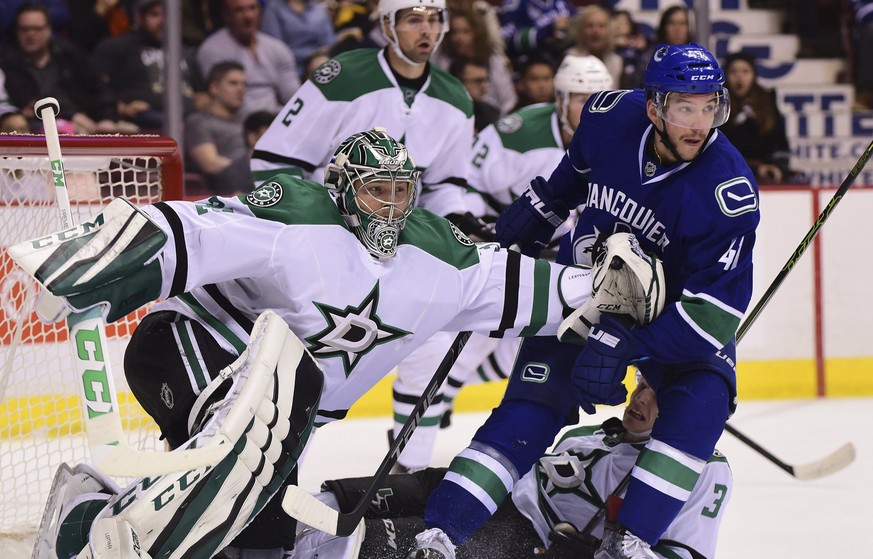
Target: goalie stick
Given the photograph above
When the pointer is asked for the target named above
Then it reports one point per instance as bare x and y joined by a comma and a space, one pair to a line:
110, 452
307, 509
843, 456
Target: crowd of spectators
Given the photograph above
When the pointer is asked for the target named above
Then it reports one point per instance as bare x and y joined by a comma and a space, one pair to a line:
104, 61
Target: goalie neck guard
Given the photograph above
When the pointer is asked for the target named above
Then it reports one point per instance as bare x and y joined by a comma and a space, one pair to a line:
375, 182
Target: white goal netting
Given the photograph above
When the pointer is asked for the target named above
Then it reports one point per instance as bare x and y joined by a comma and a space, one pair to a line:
40, 411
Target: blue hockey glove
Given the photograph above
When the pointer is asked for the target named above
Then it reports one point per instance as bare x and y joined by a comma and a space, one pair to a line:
531, 220
602, 364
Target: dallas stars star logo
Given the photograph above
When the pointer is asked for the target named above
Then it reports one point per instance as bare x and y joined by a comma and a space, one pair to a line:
351, 333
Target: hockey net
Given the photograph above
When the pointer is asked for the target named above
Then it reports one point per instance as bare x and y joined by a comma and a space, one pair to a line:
40, 412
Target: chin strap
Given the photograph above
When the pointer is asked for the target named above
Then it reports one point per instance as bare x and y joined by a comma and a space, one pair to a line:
395, 46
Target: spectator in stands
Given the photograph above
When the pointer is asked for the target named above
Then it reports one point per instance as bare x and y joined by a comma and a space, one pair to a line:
755, 126
133, 66
200, 18
535, 82
40, 65
303, 25
488, 13
214, 137
354, 21
5, 105
863, 45
467, 38
675, 27
96, 20
237, 177
271, 71
535, 26
594, 37
629, 44
473, 73
58, 12
13, 122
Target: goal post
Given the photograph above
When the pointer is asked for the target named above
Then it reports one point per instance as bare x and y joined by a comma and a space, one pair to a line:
40, 412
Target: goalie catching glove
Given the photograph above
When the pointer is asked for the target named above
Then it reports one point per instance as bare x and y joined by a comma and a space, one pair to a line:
626, 281
84, 264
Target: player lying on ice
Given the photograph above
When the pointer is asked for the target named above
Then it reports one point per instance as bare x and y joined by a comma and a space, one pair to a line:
550, 507
360, 277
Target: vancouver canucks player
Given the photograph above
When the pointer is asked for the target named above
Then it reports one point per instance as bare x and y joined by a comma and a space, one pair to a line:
357, 273
653, 163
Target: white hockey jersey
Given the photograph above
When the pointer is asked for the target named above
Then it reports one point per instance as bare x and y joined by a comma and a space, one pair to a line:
573, 482
508, 154
286, 247
355, 92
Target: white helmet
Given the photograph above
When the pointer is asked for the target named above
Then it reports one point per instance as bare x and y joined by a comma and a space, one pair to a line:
582, 74
579, 74
389, 8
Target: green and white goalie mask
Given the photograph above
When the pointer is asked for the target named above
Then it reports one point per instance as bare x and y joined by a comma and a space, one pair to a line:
375, 183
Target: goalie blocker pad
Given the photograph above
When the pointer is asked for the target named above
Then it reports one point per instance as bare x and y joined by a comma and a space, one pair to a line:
268, 416
110, 260
626, 280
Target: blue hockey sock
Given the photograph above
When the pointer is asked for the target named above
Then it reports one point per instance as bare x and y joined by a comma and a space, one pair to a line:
506, 446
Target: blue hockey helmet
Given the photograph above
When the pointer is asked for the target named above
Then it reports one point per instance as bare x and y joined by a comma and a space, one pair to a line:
689, 69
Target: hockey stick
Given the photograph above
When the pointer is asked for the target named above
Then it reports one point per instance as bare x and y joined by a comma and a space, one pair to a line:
303, 506
100, 412
843, 456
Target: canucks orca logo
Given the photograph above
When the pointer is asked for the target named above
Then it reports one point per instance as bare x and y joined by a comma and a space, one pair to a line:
736, 197
352, 332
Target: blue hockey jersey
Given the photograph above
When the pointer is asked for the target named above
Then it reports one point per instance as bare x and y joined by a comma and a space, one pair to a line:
699, 217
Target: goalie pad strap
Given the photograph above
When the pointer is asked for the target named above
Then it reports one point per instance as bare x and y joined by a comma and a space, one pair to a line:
197, 513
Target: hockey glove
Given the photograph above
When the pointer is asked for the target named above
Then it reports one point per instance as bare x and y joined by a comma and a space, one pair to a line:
530, 221
473, 227
602, 364
569, 543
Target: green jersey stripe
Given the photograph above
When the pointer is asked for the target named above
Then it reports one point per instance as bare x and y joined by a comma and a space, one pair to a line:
189, 353
481, 476
540, 305
213, 322
667, 469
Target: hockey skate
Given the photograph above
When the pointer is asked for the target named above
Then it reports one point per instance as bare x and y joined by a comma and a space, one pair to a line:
619, 543
432, 544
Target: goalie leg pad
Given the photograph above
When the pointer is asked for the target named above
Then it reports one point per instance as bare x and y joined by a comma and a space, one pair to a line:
75, 499
267, 416
108, 260
113, 538
628, 280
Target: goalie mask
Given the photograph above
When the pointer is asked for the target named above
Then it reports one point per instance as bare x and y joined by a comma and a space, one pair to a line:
578, 74
375, 182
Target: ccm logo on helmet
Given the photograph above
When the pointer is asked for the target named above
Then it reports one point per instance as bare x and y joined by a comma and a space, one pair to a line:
704, 77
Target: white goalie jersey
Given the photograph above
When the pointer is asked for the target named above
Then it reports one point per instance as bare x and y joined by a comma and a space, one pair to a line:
572, 482
285, 247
